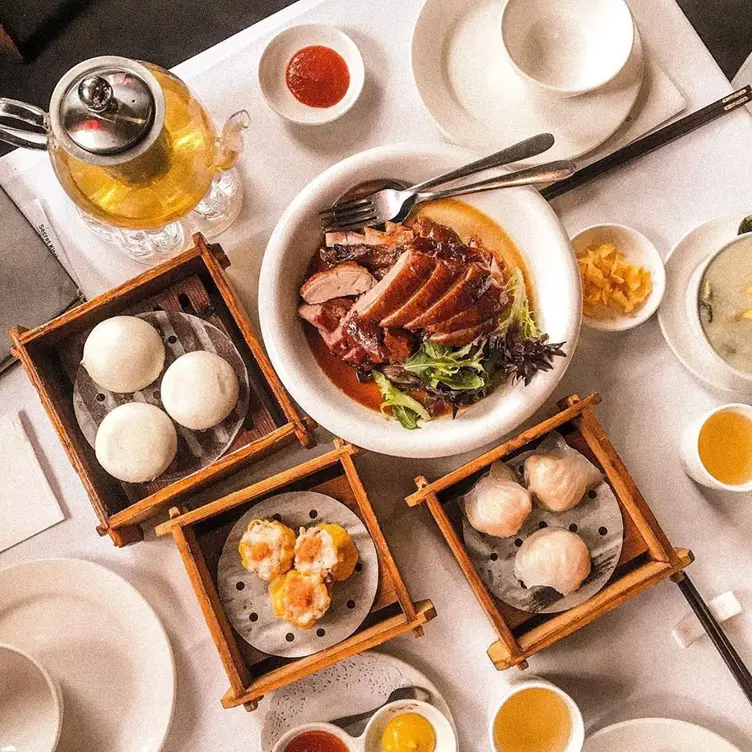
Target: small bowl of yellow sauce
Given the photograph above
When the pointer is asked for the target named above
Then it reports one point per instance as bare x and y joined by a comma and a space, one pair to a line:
409, 726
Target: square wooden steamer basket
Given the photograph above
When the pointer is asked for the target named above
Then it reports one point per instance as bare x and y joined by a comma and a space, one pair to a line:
200, 536
647, 557
195, 283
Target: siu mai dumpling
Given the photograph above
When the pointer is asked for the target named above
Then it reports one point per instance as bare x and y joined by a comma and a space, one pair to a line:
327, 549
300, 599
560, 479
497, 505
267, 548
553, 558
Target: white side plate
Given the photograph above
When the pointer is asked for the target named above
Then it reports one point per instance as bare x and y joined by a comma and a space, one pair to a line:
656, 735
102, 642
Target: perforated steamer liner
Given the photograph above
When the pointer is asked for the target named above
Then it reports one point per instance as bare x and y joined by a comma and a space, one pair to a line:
596, 519
246, 596
181, 333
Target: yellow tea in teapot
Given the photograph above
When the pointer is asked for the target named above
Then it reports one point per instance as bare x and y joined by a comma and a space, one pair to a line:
532, 720
725, 447
162, 184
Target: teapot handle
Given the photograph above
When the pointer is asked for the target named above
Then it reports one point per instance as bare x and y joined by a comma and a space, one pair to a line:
12, 109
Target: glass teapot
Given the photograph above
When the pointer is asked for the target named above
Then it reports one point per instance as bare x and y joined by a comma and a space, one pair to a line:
129, 143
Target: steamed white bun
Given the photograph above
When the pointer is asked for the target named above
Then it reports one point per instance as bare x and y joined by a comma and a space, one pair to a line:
497, 505
199, 390
123, 354
555, 558
136, 442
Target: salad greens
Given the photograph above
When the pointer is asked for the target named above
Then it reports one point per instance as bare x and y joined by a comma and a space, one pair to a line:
515, 350
437, 364
518, 314
407, 410
745, 226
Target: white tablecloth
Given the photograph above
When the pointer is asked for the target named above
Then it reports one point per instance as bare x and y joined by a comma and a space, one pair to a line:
624, 665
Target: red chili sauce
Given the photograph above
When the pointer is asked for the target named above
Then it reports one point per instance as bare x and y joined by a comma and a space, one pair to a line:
316, 741
317, 76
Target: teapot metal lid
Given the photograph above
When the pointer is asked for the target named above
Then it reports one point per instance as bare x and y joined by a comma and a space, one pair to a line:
107, 110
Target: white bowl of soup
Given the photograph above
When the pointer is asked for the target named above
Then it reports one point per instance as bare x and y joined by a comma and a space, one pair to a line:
719, 305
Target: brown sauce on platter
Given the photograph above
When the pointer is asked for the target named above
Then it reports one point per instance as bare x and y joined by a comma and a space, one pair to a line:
344, 376
317, 76
467, 221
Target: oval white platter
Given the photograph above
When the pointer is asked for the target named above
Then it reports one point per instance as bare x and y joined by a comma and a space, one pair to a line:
353, 685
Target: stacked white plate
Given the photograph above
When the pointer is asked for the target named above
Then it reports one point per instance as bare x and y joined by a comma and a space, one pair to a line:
478, 100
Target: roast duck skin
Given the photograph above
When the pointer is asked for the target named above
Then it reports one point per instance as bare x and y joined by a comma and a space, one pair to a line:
382, 292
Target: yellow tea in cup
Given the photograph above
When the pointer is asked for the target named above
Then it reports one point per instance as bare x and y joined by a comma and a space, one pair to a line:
533, 720
725, 447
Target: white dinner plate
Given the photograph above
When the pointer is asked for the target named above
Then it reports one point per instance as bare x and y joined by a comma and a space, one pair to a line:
477, 100
102, 642
521, 212
681, 261
656, 735
353, 685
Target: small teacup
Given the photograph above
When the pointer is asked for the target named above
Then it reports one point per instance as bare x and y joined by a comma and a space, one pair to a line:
689, 448
576, 727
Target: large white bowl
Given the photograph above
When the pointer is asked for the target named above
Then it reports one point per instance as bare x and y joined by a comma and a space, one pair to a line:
522, 212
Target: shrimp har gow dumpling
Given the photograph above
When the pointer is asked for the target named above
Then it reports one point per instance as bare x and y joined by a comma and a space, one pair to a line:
553, 558
497, 505
560, 479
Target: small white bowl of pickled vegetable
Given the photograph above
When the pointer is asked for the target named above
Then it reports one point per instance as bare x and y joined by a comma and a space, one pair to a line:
637, 251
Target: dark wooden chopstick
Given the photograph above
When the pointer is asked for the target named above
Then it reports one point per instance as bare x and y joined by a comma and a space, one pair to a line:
651, 142
717, 635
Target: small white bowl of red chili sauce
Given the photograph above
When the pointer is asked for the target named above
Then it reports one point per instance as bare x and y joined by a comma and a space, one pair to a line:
311, 74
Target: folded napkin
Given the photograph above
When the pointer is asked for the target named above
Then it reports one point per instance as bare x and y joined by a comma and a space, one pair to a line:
34, 285
27, 503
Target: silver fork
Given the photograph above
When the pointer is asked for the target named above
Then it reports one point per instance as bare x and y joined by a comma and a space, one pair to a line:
394, 205
526, 149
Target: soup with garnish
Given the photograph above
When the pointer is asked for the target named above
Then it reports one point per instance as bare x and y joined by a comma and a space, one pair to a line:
725, 303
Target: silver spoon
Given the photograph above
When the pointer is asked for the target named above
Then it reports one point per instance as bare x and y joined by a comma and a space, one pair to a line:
355, 724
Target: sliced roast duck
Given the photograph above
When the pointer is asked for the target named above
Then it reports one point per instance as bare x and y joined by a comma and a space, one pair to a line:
385, 291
